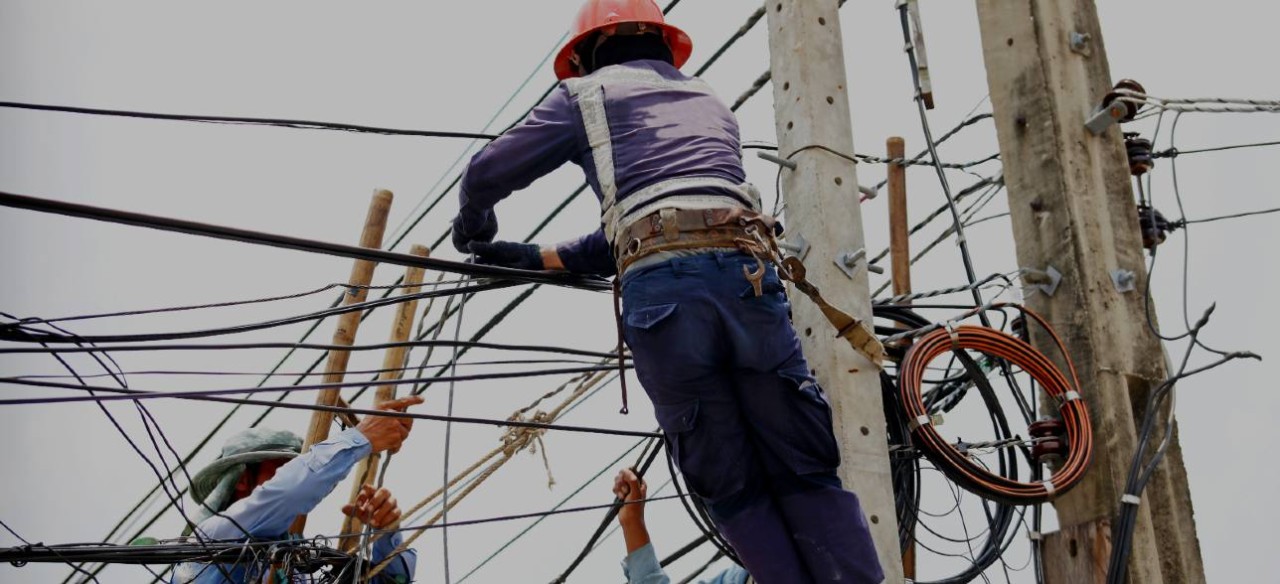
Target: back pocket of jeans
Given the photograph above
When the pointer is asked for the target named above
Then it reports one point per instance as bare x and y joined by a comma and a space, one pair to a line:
648, 317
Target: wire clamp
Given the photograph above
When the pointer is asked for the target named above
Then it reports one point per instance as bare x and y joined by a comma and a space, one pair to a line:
1070, 396
924, 420
1129, 499
1049, 488
950, 325
1035, 535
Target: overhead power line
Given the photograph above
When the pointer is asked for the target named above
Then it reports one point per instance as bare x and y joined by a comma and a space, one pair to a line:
244, 121
289, 242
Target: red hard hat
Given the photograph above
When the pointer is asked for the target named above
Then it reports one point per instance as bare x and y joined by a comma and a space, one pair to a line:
597, 14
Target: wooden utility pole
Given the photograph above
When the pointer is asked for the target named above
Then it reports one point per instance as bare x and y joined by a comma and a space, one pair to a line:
900, 266
899, 233
392, 369
1073, 210
811, 105
335, 369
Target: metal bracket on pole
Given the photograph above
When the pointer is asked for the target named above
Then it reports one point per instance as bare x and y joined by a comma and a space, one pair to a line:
1106, 117
1124, 280
848, 263
1046, 280
1079, 43
778, 160
795, 245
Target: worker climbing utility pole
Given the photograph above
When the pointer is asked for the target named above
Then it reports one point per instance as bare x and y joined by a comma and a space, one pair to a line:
1073, 211
815, 132
335, 369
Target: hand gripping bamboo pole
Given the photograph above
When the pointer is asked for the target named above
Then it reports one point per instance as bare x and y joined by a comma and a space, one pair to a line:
392, 369
335, 369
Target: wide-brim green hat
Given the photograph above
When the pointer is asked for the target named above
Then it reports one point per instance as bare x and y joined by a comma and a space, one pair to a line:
211, 487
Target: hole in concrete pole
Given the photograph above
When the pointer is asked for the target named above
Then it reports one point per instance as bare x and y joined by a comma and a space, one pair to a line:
875, 519
779, 7
839, 181
1009, 42
786, 86
808, 332
822, 21
830, 100
1072, 548
790, 125
865, 431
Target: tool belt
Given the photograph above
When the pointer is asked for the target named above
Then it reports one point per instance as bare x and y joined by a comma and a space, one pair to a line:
745, 230
682, 229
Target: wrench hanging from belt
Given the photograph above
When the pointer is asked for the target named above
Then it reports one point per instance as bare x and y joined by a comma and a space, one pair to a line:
763, 245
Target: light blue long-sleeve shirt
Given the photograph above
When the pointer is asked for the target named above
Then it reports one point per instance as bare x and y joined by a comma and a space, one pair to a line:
642, 567
296, 489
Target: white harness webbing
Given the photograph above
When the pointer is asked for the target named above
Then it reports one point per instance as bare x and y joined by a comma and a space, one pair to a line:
615, 214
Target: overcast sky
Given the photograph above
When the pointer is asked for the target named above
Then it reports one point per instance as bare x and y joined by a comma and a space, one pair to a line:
69, 476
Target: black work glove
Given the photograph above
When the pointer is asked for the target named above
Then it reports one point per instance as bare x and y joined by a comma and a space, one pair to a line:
486, 232
508, 254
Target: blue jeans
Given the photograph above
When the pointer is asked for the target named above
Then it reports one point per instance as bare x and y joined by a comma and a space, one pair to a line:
748, 425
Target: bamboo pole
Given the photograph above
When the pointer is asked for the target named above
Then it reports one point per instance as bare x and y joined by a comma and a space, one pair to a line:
392, 364
335, 369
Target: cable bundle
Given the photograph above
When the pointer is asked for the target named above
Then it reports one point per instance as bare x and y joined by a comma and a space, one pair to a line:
967, 472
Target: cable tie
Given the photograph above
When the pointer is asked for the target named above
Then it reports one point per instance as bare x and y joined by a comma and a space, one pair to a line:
1129, 499
960, 239
1070, 396
950, 325
900, 4
1035, 536
918, 421
907, 48
1048, 487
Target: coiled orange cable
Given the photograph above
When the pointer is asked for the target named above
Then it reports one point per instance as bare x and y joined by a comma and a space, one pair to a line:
968, 472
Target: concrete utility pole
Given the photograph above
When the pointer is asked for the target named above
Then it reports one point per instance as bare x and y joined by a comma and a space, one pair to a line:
811, 105
1072, 209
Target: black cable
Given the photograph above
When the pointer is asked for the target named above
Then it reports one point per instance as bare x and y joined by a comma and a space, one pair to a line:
226, 304
684, 551
24, 335
296, 243
277, 122
1175, 152
1185, 222
647, 456
311, 346
133, 394
256, 390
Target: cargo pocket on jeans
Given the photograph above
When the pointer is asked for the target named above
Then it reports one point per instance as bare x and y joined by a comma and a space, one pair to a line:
648, 317
707, 470
811, 445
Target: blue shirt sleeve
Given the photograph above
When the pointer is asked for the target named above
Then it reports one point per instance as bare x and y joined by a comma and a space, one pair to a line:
642, 567
400, 570
589, 254
296, 488
550, 136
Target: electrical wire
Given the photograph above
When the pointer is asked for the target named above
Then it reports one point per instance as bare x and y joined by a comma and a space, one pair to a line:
277, 122
954, 463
